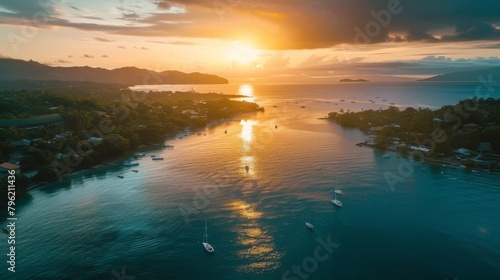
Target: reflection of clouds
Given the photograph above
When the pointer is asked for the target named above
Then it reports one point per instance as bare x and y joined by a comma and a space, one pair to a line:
257, 245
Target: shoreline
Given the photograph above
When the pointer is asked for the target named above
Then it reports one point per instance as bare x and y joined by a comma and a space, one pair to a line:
127, 154
454, 164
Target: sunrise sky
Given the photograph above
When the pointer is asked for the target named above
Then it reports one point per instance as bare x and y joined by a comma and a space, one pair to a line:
258, 41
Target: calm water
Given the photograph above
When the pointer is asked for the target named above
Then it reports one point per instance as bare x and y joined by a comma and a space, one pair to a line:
432, 226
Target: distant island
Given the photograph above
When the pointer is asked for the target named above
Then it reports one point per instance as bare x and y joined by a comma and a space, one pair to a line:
15, 69
467, 76
352, 81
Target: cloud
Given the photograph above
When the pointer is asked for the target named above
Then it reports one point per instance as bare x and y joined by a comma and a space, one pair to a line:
180, 43
141, 48
290, 24
313, 60
277, 60
62, 61
104, 56
103, 40
121, 47
87, 56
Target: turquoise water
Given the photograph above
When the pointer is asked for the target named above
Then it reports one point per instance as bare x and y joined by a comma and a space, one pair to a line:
151, 223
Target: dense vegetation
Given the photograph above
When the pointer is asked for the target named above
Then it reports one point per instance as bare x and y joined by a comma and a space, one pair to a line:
464, 125
118, 119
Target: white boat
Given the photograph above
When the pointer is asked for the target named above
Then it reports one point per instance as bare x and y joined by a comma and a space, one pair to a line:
335, 200
386, 156
309, 226
130, 163
207, 246
339, 192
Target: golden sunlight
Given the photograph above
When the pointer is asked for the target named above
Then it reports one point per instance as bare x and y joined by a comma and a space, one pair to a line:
246, 90
242, 53
246, 132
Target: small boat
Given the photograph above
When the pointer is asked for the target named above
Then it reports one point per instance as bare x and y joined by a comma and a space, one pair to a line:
309, 226
157, 158
135, 170
386, 156
207, 246
130, 163
153, 155
140, 155
302, 106
225, 131
339, 192
335, 201
119, 176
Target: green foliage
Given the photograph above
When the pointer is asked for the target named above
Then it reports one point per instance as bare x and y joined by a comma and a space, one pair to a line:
413, 126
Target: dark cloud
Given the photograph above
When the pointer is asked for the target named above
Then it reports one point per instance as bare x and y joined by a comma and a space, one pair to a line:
121, 47
104, 56
87, 56
181, 43
164, 5
469, 31
141, 48
103, 40
131, 16
430, 65
62, 61
294, 24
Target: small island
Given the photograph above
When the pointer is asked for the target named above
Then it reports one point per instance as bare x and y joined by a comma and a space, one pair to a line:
352, 80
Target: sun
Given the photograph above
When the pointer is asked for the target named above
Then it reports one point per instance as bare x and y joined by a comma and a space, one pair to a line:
242, 53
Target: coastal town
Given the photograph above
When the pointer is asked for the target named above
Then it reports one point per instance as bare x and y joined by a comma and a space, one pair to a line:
465, 135
63, 127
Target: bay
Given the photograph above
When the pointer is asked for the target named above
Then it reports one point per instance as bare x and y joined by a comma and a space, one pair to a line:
150, 224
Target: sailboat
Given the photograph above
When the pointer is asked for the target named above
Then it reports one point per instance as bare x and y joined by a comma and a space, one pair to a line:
335, 200
207, 246
309, 226
339, 192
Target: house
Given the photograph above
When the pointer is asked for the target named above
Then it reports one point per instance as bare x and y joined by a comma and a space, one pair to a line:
462, 151
485, 147
6, 166
470, 127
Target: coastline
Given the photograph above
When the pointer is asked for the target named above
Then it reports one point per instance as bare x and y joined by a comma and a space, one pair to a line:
453, 163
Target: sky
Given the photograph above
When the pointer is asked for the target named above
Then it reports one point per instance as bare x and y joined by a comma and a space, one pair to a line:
317, 41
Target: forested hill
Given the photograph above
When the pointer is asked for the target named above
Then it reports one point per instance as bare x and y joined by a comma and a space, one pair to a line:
14, 69
468, 76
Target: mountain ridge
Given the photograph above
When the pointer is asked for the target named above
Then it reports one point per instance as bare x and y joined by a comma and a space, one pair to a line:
467, 76
16, 69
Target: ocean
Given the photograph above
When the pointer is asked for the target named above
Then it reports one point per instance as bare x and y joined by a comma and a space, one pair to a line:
436, 223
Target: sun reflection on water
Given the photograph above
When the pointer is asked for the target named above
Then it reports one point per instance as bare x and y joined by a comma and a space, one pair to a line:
258, 246
246, 132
